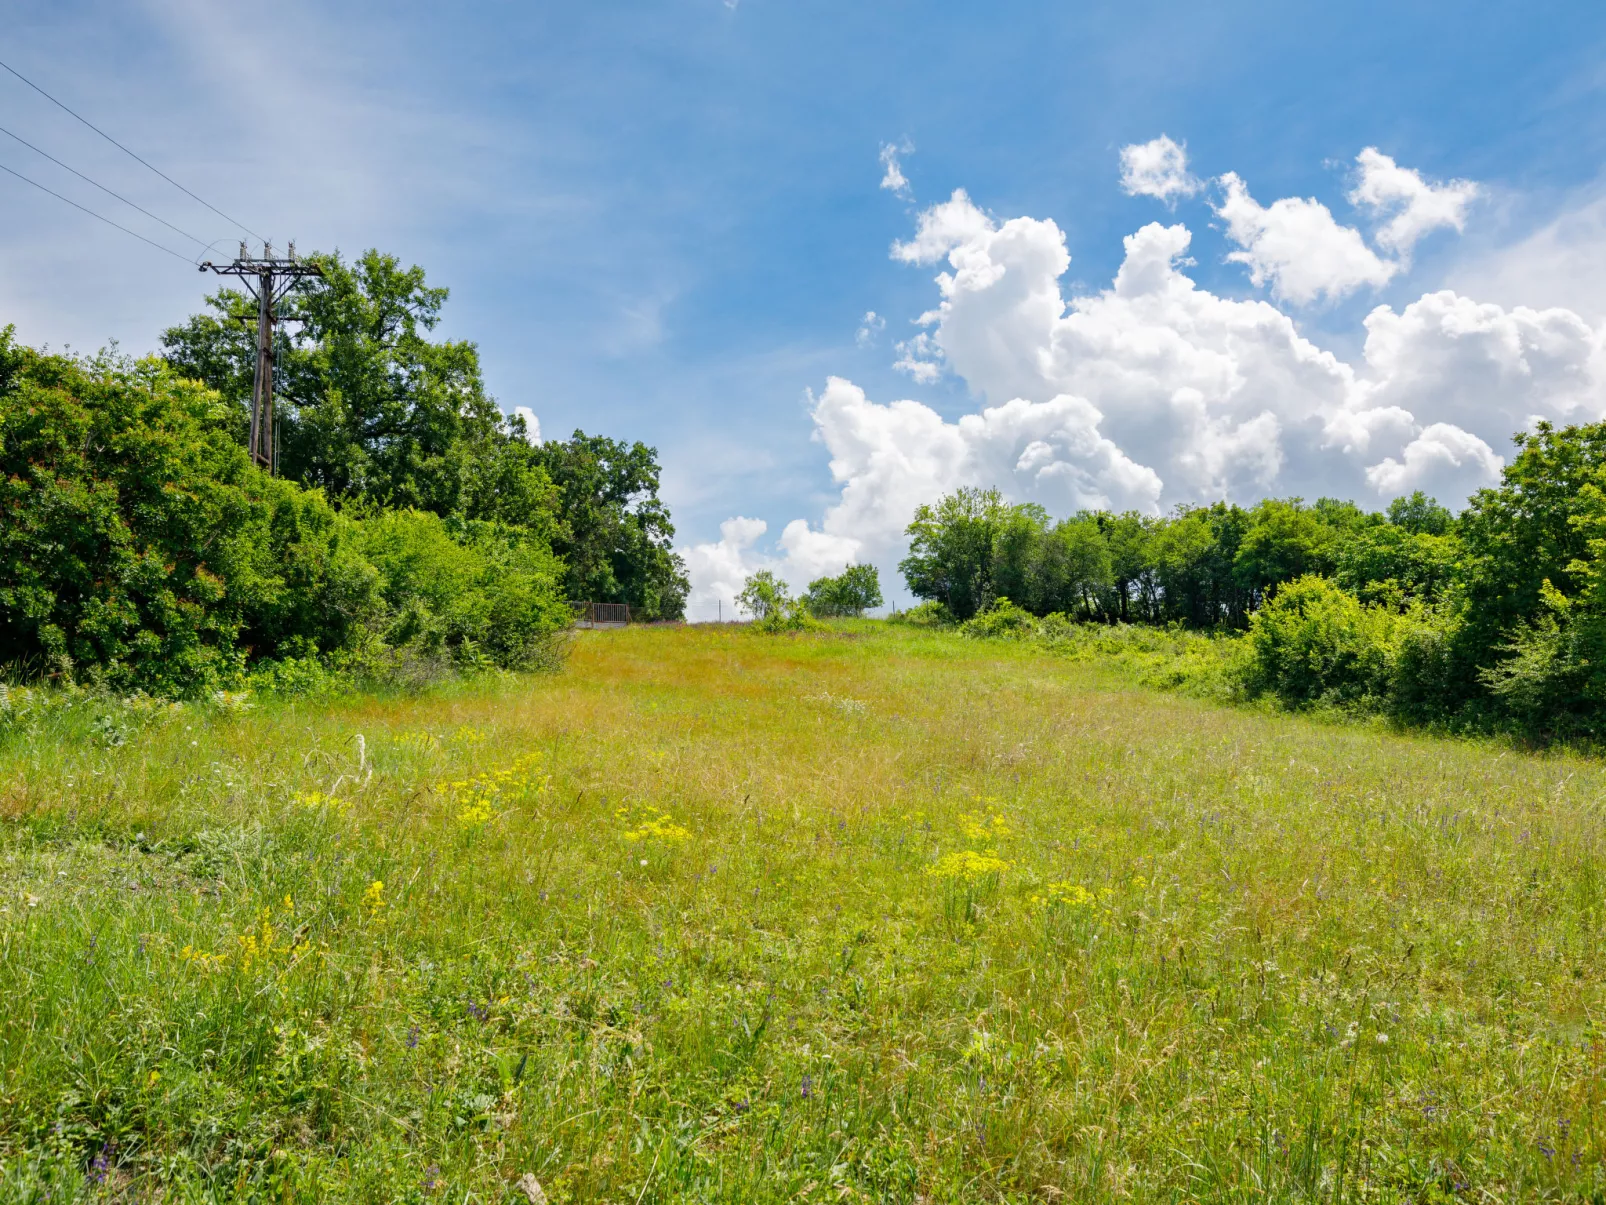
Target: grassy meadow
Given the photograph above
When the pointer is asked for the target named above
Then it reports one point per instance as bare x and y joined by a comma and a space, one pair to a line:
869, 915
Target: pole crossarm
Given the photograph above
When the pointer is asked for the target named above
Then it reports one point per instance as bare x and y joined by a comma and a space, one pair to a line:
268, 279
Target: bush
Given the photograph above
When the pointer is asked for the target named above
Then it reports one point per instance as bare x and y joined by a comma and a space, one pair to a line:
143, 551
1315, 643
476, 590
931, 614
141, 547
767, 598
1002, 620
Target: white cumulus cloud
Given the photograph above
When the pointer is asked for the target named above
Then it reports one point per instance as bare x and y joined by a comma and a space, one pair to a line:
1298, 247
1158, 168
1561, 263
872, 326
1417, 206
1444, 461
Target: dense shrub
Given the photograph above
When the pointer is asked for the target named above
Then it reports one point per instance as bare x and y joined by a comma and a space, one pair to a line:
930, 614
1002, 619
1314, 642
375, 410
141, 549
475, 589
139, 544
1495, 619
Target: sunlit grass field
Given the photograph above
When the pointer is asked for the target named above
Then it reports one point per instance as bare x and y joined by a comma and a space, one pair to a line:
869, 915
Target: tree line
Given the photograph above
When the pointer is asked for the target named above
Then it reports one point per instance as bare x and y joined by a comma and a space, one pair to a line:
1493, 617
142, 548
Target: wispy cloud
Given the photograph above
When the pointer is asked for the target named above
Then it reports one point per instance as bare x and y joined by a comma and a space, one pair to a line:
892, 177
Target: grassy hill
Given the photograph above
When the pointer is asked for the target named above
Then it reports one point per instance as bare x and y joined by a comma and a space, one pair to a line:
877, 915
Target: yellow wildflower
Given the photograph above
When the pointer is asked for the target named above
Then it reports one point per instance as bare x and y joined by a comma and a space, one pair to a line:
968, 865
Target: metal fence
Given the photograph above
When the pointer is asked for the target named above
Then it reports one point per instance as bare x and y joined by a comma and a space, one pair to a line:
600, 615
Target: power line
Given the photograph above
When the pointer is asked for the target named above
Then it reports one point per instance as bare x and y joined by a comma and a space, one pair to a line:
100, 186
127, 152
93, 214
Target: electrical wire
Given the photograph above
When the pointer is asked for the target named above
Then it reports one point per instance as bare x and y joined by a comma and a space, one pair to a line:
100, 186
126, 151
93, 214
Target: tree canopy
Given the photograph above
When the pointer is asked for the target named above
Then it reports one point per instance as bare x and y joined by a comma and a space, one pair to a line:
375, 412
615, 535
369, 406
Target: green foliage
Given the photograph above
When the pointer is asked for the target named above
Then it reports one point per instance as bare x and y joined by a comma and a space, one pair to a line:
1002, 619
930, 614
850, 593
951, 550
1398, 565
1316, 643
369, 407
471, 589
141, 547
1420, 515
1069, 568
616, 537
769, 601
1282, 540
1532, 554
1552, 674
1495, 619
763, 594
145, 552
373, 410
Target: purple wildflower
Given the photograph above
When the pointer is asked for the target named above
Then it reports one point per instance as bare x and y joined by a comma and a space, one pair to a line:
412, 1038
432, 1177
808, 1086
101, 1165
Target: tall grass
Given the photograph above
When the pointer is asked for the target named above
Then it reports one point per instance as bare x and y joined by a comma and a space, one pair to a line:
874, 914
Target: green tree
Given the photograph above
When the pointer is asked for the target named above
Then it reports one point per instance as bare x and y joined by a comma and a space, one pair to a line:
616, 537
769, 601
1314, 642
1530, 529
1533, 613
1071, 569
369, 406
1393, 564
1133, 595
1194, 556
951, 550
1284, 540
1420, 515
852, 592
1017, 551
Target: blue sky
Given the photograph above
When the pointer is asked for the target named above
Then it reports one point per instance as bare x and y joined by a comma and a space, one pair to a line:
663, 221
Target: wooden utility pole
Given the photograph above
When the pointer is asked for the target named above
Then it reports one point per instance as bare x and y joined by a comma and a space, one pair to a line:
268, 280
